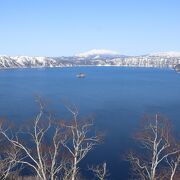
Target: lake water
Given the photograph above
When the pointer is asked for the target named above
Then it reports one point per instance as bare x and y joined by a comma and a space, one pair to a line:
117, 98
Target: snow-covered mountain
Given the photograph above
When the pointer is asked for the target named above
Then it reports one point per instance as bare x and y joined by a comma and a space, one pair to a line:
99, 53
93, 58
25, 61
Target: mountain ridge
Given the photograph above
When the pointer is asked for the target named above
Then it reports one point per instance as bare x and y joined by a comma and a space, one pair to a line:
93, 58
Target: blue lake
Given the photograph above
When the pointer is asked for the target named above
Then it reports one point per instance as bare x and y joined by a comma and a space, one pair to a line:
117, 97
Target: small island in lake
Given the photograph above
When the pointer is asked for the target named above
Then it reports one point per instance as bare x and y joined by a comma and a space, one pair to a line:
81, 75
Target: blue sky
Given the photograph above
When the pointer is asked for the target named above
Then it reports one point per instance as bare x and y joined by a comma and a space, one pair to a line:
68, 27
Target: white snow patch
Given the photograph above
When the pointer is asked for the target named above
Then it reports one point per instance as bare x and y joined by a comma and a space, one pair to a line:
167, 54
97, 52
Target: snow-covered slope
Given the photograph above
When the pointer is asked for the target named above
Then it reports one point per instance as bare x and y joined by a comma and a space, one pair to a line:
25, 61
167, 54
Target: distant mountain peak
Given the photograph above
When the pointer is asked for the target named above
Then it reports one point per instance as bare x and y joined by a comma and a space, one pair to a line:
166, 54
97, 52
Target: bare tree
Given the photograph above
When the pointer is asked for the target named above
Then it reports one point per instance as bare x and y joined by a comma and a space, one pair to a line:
100, 171
42, 158
173, 162
8, 160
158, 145
79, 141
54, 148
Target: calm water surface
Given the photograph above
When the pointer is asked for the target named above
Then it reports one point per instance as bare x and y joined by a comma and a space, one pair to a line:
118, 98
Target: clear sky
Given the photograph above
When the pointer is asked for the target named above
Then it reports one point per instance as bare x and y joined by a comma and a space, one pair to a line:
68, 27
